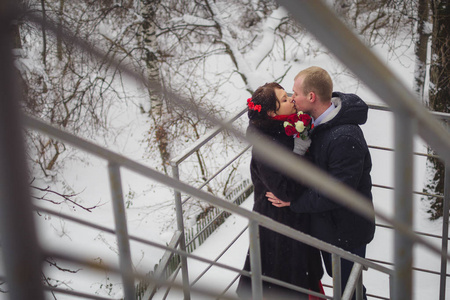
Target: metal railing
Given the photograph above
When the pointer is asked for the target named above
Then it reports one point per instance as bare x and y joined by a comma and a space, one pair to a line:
356, 282
121, 223
22, 267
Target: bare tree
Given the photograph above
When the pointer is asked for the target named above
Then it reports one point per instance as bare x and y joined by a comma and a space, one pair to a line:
421, 48
439, 100
378, 22
61, 87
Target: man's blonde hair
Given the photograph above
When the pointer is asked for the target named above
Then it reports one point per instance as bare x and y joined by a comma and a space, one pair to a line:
317, 80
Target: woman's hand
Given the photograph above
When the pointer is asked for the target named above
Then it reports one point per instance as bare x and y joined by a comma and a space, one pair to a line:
275, 201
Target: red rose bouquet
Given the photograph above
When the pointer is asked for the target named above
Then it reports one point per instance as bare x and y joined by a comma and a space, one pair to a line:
298, 125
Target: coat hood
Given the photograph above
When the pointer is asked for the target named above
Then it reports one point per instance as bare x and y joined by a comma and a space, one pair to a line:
350, 109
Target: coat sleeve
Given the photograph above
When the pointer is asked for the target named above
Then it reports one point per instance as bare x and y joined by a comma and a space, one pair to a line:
281, 185
345, 162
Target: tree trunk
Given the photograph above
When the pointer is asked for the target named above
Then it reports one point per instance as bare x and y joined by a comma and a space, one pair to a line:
440, 61
59, 39
439, 93
149, 44
421, 47
148, 37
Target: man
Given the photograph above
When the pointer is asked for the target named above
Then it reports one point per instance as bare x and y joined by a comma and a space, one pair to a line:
339, 148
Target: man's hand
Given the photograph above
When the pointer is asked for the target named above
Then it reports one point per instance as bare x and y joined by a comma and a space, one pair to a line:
275, 201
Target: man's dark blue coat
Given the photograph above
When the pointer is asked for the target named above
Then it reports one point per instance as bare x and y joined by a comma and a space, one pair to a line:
339, 148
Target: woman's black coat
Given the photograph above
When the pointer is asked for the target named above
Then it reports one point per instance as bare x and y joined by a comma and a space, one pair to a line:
281, 257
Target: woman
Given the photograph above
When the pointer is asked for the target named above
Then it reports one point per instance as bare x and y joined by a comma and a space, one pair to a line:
282, 258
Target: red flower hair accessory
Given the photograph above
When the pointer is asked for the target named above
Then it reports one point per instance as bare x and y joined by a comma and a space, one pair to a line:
252, 105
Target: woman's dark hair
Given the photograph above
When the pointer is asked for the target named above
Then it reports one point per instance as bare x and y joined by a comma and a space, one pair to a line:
266, 97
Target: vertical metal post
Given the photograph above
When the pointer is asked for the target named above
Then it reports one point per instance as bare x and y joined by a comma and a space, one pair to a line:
180, 224
336, 266
359, 287
126, 265
403, 178
22, 255
354, 284
255, 260
391, 286
445, 216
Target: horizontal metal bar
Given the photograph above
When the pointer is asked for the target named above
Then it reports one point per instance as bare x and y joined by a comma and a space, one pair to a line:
146, 278
57, 290
437, 114
220, 254
368, 295
141, 240
294, 287
416, 232
415, 192
378, 107
392, 150
206, 227
203, 140
53, 289
219, 171
414, 268
376, 297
